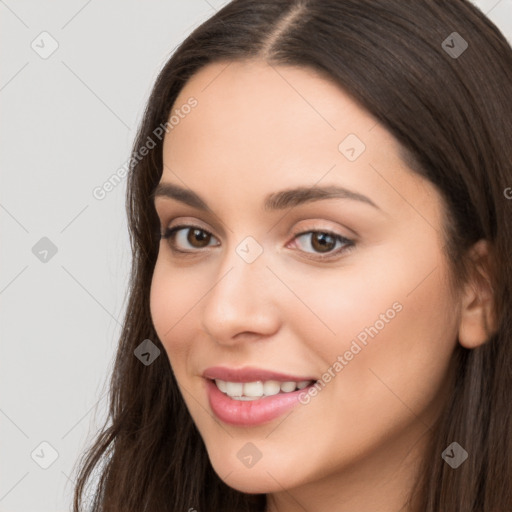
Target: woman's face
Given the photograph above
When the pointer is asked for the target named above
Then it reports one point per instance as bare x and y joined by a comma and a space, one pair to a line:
350, 290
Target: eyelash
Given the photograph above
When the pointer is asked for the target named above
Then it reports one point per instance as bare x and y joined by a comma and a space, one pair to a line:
348, 243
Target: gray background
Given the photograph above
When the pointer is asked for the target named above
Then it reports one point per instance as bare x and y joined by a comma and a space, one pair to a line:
67, 123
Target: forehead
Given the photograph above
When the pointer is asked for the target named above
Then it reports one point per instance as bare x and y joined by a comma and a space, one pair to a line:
255, 96
258, 127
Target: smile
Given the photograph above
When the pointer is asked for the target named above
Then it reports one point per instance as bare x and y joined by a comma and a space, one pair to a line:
258, 389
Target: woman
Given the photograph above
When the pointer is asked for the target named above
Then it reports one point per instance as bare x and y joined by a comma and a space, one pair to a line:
320, 227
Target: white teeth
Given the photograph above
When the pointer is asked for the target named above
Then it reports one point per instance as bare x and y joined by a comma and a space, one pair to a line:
253, 388
287, 387
221, 384
258, 389
234, 388
271, 387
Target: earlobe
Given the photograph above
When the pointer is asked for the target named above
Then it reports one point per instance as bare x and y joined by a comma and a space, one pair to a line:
477, 314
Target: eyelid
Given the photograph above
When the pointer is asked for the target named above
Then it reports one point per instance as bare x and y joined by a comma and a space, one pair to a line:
295, 233
348, 244
324, 229
182, 217
178, 227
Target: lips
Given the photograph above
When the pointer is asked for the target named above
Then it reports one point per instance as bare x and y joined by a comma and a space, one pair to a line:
257, 411
253, 413
251, 374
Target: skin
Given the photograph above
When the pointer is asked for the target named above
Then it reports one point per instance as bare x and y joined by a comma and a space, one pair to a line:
357, 444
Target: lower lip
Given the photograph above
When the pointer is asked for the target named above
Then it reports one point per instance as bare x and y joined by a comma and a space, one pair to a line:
246, 413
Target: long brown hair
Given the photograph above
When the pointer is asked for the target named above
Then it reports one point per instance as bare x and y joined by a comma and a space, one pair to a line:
452, 112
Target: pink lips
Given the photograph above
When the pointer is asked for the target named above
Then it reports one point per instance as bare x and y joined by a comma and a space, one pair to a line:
251, 412
250, 374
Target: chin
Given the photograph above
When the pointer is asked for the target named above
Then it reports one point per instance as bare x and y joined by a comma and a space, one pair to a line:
255, 480
250, 484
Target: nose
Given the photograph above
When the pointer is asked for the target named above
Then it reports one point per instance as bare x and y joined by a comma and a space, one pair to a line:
242, 302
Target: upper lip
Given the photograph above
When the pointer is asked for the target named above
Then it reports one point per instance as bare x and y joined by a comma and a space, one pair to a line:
250, 374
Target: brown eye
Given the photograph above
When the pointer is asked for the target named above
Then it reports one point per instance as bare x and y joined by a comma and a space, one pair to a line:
187, 238
322, 242
197, 237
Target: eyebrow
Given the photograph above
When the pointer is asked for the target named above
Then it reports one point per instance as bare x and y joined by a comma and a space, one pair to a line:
275, 201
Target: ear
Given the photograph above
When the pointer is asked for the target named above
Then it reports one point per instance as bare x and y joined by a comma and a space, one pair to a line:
477, 314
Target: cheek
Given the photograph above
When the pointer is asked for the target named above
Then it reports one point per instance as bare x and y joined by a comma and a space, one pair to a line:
171, 303
394, 325
399, 286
